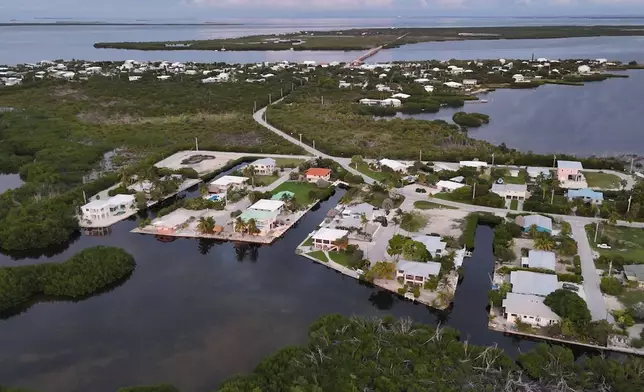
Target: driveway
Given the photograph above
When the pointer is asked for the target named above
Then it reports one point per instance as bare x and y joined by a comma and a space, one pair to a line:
594, 297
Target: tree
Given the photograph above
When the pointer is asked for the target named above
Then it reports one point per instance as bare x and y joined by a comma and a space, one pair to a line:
416, 251
566, 229
251, 227
396, 245
342, 243
387, 205
569, 305
203, 191
356, 160
206, 225
611, 286
240, 225
364, 221
533, 231
544, 243
568, 246
141, 200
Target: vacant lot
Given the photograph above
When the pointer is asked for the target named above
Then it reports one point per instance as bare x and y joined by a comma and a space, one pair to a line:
288, 162
301, 190
626, 242
602, 180
428, 205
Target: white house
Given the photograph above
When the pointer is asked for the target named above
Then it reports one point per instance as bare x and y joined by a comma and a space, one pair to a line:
357, 210
324, 238
518, 78
401, 96
105, 209
540, 259
474, 164
393, 102
226, 183
583, 69
511, 191
433, 243
448, 186
470, 82
533, 283
429, 89
414, 272
394, 165
264, 166
529, 309
268, 205
453, 84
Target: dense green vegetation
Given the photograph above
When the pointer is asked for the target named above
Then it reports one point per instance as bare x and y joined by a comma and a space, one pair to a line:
87, 272
362, 39
58, 136
471, 120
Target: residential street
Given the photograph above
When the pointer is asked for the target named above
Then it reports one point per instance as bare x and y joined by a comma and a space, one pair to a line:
594, 296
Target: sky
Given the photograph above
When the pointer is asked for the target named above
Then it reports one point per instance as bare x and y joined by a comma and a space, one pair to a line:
225, 9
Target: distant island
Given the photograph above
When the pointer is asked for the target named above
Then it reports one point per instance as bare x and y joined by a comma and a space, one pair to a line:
98, 23
363, 39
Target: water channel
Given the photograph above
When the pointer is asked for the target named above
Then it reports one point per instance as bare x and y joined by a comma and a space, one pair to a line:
196, 312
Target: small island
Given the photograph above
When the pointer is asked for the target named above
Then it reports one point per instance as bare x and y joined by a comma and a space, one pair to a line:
470, 120
363, 39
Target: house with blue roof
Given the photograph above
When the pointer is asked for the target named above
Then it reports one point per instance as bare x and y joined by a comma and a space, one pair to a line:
542, 223
587, 195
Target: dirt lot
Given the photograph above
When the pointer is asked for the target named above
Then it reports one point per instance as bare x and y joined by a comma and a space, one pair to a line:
444, 222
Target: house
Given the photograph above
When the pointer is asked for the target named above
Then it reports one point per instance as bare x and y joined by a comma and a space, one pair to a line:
453, 84
474, 164
356, 211
448, 186
569, 171
105, 209
394, 165
268, 206
539, 259
401, 96
315, 173
518, 78
587, 195
227, 183
583, 69
264, 220
391, 102
511, 191
369, 102
264, 166
528, 309
413, 272
635, 273
470, 82
535, 172
433, 243
429, 89
171, 223
543, 224
325, 238
533, 283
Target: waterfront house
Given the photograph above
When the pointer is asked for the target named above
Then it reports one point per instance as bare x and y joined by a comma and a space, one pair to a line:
429, 89
448, 186
433, 243
534, 172
518, 78
268, 205
226, 183
453, 84
543, 223
635, 273
533, 283
315, 173
357, 210
264, 220
391, 102
413, 272
175, 221
394, 165
511, 191
264, 166
569, 171
587, 195
105, 209
326, 238
470, 82
540, 259
529, 309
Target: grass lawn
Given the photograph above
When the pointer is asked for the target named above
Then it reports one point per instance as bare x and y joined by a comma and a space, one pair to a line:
318, 254
265, 180
629, 240
514, 204
520, 179
630, 298
602, 180
308, 242
448, 196
378, 176
288, 162
301, 190
340, 258
428, 205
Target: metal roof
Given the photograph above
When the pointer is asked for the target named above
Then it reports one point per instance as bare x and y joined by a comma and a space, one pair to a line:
529, 305
538, 220
569, 165
416, 268
526, 282
542, 259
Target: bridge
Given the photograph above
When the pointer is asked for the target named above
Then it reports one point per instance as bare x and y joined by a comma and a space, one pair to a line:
373, 51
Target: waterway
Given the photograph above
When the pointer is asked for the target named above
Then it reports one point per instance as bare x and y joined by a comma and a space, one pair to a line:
24, 44
597, 119
9, 181
197, 312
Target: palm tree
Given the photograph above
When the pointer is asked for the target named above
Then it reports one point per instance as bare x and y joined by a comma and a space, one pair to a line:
534, 230
364, 221
206, 225
251, 226
544, 243
124, 177
240, 225
203, 191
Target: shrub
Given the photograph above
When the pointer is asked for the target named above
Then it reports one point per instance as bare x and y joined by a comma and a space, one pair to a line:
611, 286
416, 291
568, 305
470, 119
572, 278
85, 273
235, 213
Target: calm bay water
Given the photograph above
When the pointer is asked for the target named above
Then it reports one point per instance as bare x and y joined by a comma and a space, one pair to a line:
197, 312
600, 118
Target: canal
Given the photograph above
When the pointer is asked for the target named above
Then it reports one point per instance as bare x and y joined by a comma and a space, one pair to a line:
196, 312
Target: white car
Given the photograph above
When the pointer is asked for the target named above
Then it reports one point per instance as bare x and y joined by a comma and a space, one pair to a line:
603, 246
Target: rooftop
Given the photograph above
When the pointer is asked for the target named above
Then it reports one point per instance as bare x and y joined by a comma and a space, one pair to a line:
542, 259
586, 193
267, 205
526, 282
509, 187
265, 162
359, 209
227, 180
538, 220
569, 165
258, 215
431, 242
635, 271
530, 305
327, 234
318, 172
416, 268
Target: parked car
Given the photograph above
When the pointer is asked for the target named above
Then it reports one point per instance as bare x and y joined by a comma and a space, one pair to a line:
421, 190
570, 287
603, 246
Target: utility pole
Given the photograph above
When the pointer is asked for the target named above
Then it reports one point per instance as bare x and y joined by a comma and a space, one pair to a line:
492, 159
196, 144
610, 267
473, 191
632, 165
270, 99
300, 139
629, 204
85, 197
596, 231
254, 106
554, 160
420, 155
552, 198
314, 144
323, 100
281, 93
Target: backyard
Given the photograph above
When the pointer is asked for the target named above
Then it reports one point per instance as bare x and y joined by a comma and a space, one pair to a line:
300, 189
318, 254
602, 180
265, 180
514, 204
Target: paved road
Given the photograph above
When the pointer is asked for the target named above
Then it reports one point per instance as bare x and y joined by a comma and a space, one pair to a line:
594, 297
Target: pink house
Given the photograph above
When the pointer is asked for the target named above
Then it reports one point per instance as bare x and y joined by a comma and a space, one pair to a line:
569, 171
